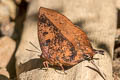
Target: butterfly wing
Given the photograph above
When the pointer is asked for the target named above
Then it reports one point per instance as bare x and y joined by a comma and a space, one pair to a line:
60, 40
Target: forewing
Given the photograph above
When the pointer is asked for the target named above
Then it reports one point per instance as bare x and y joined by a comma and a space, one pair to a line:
61, 41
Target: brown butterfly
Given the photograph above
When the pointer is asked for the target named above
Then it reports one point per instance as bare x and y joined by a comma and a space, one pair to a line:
61, 42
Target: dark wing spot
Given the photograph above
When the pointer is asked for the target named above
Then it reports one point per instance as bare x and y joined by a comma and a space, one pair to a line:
57, 58
72, 49
44, 44
64, 58
72, 57
45, 33
73, 52
43, 19
48, 41
55, 29
49, 24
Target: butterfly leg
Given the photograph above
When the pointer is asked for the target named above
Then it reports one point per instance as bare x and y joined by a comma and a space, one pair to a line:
98, 70
62, 68
45, 63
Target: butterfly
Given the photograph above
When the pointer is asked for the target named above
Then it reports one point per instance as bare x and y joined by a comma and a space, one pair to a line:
62, 43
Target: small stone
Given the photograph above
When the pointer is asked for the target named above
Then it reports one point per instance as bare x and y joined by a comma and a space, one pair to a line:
4, 75
4, 13
7, 48
7, 29
11, 7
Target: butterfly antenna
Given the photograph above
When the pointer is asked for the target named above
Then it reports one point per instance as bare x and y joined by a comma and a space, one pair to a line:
32, 51
34, 46
98, 70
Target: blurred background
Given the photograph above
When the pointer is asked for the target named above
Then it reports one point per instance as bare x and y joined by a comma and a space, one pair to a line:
12, 17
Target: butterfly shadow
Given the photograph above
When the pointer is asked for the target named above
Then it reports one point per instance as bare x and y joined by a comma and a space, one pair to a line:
37, 63
30, 65
3, 77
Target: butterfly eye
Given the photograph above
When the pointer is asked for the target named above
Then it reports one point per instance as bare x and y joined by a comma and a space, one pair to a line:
86, 57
